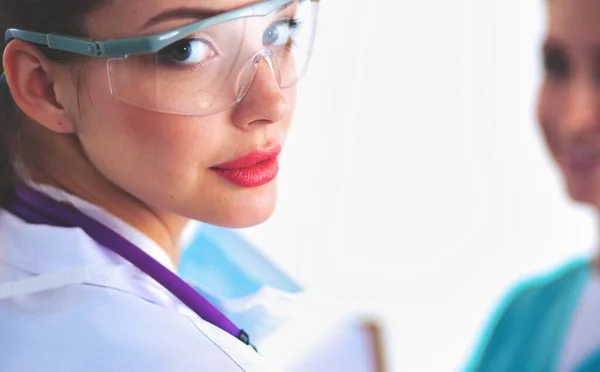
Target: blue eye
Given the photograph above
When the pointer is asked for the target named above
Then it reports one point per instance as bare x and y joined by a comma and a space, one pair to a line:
189, 51
281, 33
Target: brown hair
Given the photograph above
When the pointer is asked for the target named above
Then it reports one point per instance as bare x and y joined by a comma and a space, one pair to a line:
57, 16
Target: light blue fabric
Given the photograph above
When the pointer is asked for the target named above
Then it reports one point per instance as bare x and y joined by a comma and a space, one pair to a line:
528, 329
239, 280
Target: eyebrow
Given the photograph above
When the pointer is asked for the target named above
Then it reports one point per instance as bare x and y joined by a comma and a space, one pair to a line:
179, 13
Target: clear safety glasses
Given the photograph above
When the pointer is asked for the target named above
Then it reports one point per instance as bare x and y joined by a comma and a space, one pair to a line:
204, 67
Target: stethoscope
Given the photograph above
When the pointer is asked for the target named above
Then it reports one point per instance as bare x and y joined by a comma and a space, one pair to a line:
37, 208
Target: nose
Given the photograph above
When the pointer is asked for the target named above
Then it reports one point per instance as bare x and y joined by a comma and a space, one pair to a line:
264, 102
583, 112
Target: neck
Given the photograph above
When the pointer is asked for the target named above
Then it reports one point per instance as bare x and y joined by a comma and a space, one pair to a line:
70, 170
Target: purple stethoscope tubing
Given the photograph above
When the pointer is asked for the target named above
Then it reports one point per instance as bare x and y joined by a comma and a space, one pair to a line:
36, 208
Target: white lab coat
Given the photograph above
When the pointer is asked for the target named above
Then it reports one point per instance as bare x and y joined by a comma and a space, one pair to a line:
115, 319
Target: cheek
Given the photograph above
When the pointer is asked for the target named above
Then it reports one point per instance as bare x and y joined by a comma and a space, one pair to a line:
131, 146
549, 117
151, 145
291, 96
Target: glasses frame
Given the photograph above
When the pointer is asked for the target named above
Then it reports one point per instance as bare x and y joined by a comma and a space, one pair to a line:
123, 47
140, 45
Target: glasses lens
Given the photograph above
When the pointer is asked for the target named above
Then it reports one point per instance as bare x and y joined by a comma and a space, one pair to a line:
291, 39
205, 72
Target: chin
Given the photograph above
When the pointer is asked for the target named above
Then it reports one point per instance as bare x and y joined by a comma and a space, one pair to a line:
243, 208
246, 218
583, 193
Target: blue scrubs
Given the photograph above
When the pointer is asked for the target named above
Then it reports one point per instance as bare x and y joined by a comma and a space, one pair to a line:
527, 331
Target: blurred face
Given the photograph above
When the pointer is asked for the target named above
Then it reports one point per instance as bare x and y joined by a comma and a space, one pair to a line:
218, 168
569, 99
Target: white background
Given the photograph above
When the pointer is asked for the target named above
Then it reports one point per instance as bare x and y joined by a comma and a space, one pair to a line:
415, 185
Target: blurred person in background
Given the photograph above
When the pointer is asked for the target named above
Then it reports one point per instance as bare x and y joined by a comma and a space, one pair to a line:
551, 322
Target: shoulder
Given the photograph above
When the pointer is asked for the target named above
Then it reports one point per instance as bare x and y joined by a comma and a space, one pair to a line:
86, 328
536, 288
529, 304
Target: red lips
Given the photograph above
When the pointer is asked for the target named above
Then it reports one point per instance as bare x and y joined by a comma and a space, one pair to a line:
254, 169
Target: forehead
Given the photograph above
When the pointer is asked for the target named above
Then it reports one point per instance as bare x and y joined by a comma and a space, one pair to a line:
125, 18
574, 21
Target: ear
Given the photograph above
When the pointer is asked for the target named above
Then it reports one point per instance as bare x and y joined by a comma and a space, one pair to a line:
40, 88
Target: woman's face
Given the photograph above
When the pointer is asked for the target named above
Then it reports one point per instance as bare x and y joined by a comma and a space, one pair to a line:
569, 99
170, 161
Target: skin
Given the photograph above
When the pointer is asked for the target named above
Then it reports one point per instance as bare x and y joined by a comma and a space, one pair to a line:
569, 98
150, 169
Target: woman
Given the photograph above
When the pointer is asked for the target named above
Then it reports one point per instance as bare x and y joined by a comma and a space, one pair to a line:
551, 323
121, 121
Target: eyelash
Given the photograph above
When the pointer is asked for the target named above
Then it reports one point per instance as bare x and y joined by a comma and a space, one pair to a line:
293, 23
166, 61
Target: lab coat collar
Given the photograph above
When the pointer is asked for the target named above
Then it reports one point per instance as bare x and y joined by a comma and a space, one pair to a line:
73, 246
